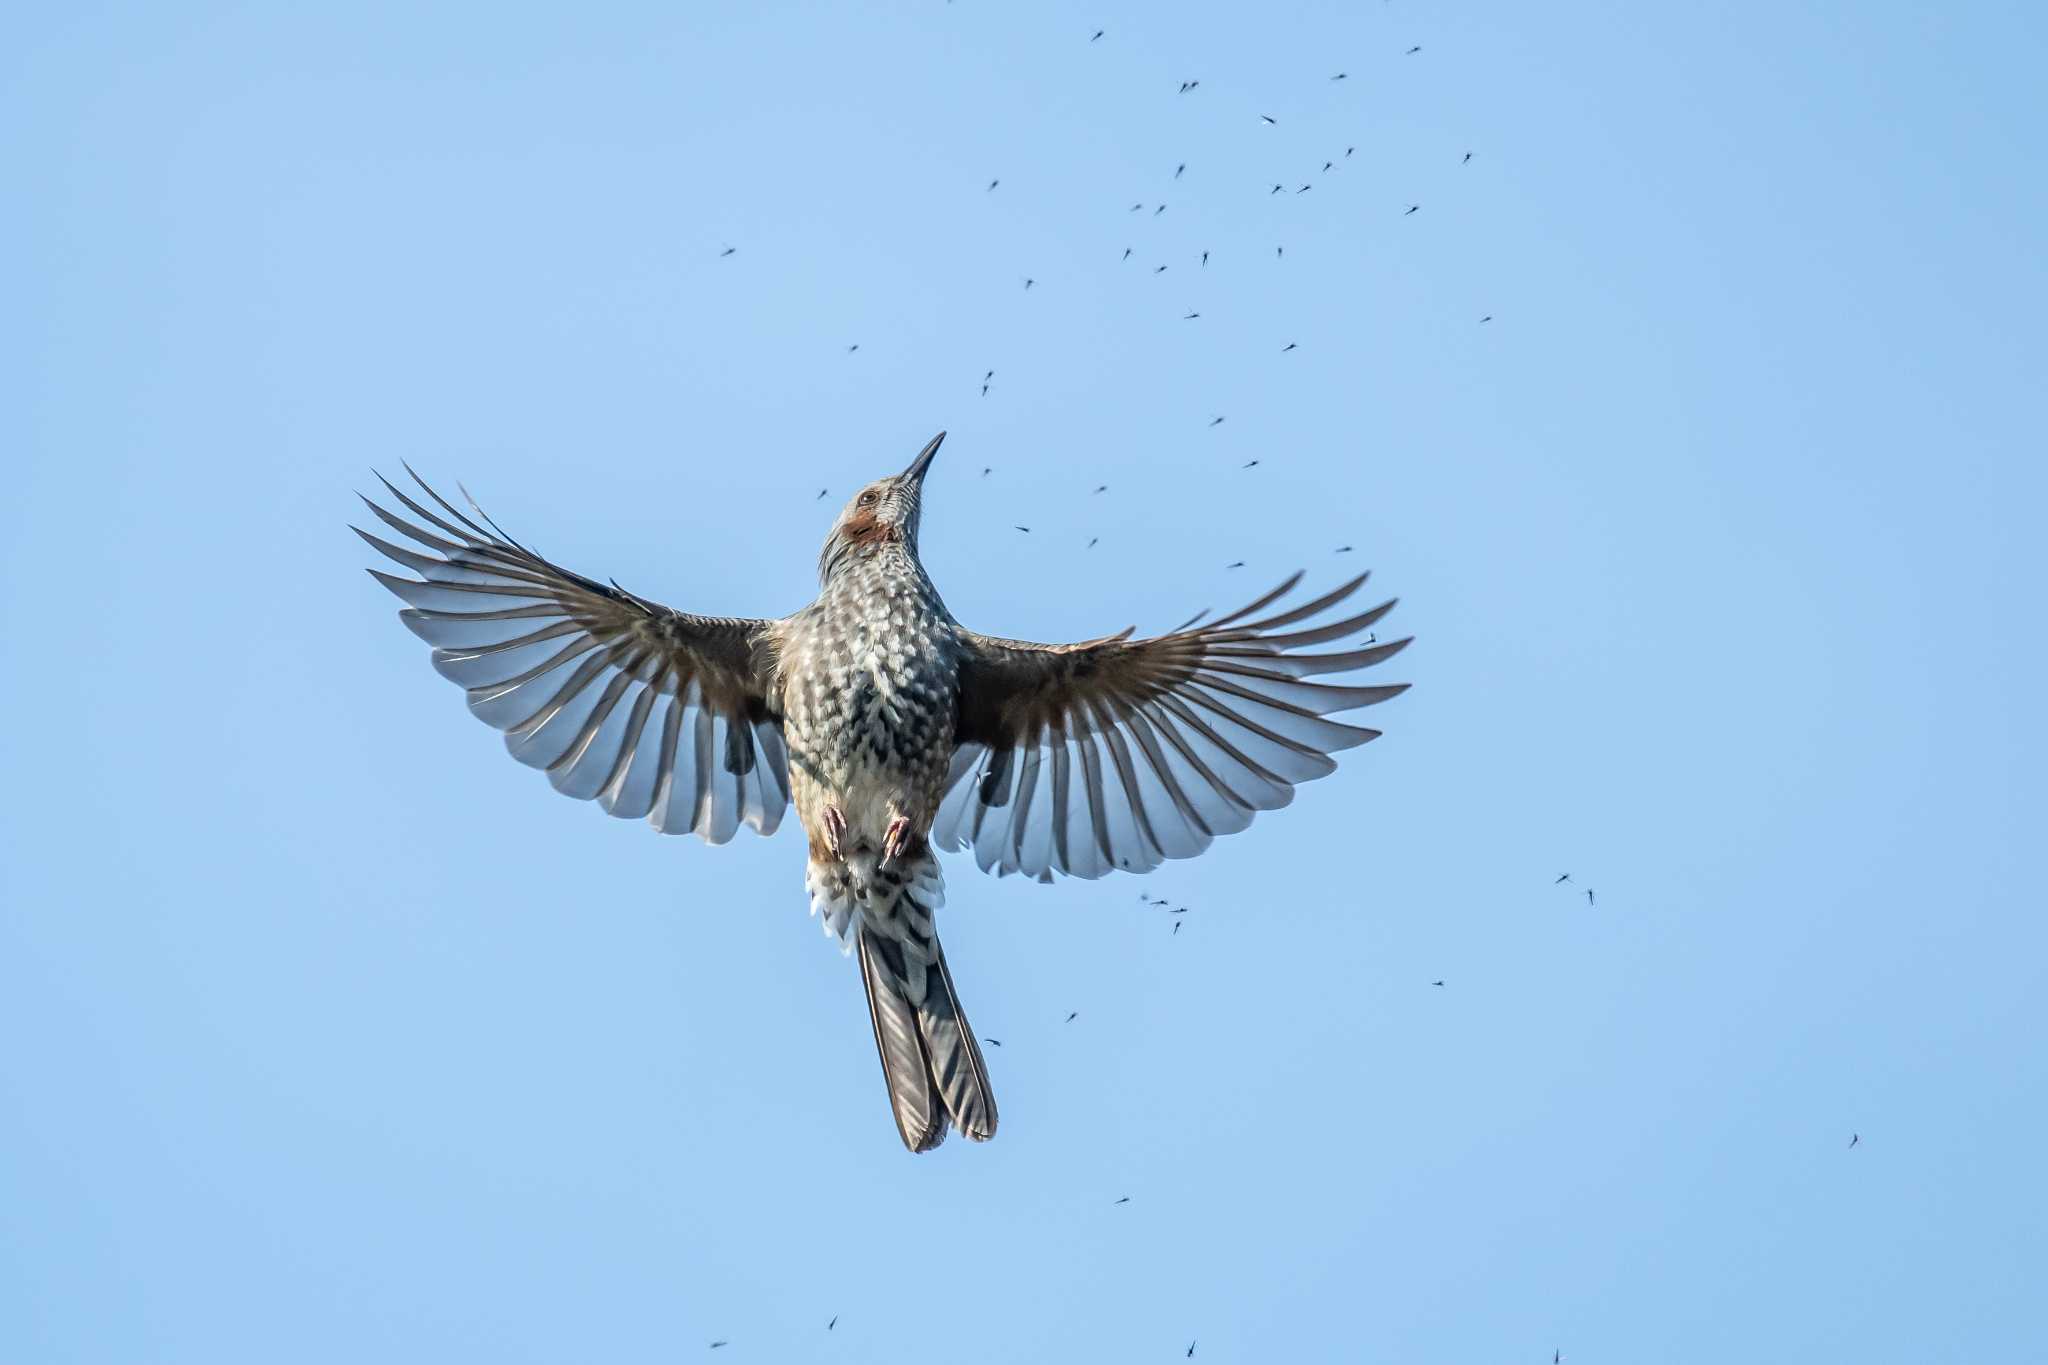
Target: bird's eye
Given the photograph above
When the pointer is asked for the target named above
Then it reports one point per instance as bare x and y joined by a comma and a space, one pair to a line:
868, 498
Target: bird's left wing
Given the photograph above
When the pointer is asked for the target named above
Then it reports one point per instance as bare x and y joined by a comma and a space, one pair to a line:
650, 712
1117, 754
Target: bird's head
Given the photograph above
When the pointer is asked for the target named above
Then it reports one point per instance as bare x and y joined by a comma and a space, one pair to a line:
881, 514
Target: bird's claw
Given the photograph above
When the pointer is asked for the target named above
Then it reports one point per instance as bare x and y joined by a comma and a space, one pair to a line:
897, 837
835, 832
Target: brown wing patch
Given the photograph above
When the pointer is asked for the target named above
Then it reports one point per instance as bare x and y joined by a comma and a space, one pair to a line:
1008, 696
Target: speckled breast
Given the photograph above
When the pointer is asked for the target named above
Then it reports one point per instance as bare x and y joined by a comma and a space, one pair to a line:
870, 691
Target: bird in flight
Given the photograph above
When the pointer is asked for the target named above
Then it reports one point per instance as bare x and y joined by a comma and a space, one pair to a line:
851, 349
1436, 983
1468, 157
1216, 421
1029, 282
1101, 488
1275, 190
1348, 151
1413, 50
1205, 259
1097, 34
1187, 317
1487, 318
716, 1344
1327, 165
1268, 120
1127, 253
1412, 208
1341, 550
1589, 895
993, 1042
1072, 1017
1235, 564
1339, 76
1563, 877
1288, 347
1279, 252
821, 495
1186, 86
1191, 1350
1855, 1138
1249, 464
834, 1323
1304, 189
728, 251
1178, 169
894, 730
1157, 268
1125, 1200
992, 184
1161, 209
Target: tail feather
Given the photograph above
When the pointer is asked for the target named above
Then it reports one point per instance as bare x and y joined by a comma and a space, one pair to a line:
920, 1113
930, 1058
958, 1071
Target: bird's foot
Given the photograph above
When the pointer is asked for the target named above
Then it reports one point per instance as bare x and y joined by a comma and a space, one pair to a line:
835, 832
895, 840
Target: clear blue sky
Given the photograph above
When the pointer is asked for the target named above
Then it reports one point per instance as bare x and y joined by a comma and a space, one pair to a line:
328, 1033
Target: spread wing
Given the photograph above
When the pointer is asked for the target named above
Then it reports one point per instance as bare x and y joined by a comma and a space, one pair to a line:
1117, 754
650, 712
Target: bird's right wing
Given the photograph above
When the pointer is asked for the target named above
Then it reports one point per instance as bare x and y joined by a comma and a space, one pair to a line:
651, 712
1117, 754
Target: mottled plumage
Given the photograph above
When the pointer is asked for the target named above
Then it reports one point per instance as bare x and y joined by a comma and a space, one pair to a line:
894, 729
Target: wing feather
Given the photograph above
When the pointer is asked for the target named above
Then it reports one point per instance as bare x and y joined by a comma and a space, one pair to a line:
1120, 753
653, 713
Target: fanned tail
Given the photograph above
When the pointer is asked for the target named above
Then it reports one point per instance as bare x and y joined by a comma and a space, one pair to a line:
930, 1058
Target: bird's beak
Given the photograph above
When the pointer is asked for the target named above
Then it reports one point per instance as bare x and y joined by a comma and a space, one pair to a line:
923, 461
